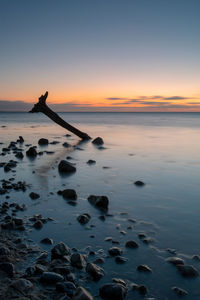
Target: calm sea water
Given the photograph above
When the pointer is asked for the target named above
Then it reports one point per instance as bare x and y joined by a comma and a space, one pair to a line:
161, 149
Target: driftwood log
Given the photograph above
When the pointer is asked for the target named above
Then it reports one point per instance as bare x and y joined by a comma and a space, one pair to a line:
42, 107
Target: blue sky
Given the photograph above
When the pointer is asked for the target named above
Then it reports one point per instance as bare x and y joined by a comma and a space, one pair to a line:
85, 52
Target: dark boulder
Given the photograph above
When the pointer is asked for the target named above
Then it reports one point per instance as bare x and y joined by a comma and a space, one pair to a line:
69, 194
113, 291
131, 244
43, 142
34, 196
59, 251
187, 271
66, 167
98, 141
31, 152
101, 202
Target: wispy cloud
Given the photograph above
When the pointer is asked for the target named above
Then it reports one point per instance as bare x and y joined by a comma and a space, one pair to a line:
146, 98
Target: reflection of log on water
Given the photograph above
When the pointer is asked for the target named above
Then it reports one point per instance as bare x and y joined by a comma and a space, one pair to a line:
42, 107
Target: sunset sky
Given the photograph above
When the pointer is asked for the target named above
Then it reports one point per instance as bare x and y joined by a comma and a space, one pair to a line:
100, 55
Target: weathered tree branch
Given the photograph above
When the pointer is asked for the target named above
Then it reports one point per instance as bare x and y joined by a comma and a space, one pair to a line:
41, 106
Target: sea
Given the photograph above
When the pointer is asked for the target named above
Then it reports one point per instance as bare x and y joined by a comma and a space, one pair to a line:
160, 149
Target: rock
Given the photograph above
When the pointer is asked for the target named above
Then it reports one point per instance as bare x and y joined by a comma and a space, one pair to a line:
144, 268
8, 268
69, 194
94, 271
47, 241
101, 202
120, 281
99, 260
51, 278
187, 270
139, 183
175, 260
22, 285
20, 140
43, 142
142, 289
82, 294
113, 291
4, 251
66, 145
38, 224
120, 259
91, 162
196, 257
179, 291
66, 287
115, 251
31, 152
131, 244
34, 196
141, 235
78, 260
18, 221
19, 155
60, 250
83, 219
66, 167
98, 141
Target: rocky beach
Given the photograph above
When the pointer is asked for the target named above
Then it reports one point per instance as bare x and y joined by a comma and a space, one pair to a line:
66, 237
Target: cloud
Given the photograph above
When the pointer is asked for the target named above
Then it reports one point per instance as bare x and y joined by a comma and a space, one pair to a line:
147, 98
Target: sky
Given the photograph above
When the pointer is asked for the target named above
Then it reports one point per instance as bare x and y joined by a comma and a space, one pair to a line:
100, 55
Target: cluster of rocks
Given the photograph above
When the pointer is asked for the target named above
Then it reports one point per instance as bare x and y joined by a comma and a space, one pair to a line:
8, 185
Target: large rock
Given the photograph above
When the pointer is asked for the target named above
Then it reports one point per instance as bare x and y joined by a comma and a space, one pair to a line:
101, 202
7, 268
69, 194
94, 271
78, 260
51, 278
187, 271
65, 167
60, 250
82, 294
113, 291
43, 142
22, 285
31, 152
98, 141
66, 287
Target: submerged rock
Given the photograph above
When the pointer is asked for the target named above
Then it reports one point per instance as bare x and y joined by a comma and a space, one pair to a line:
47, 241
113, 291
66, 287
115, 251
83, 219
187, 270
91, 162
82, 294
65, 167
34, 196
144, 268
131, 244
175, 260
139, 183
43, 142
31, 152
98, 141
69, 194
101, 202
179, 291
120, 259
94, 271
